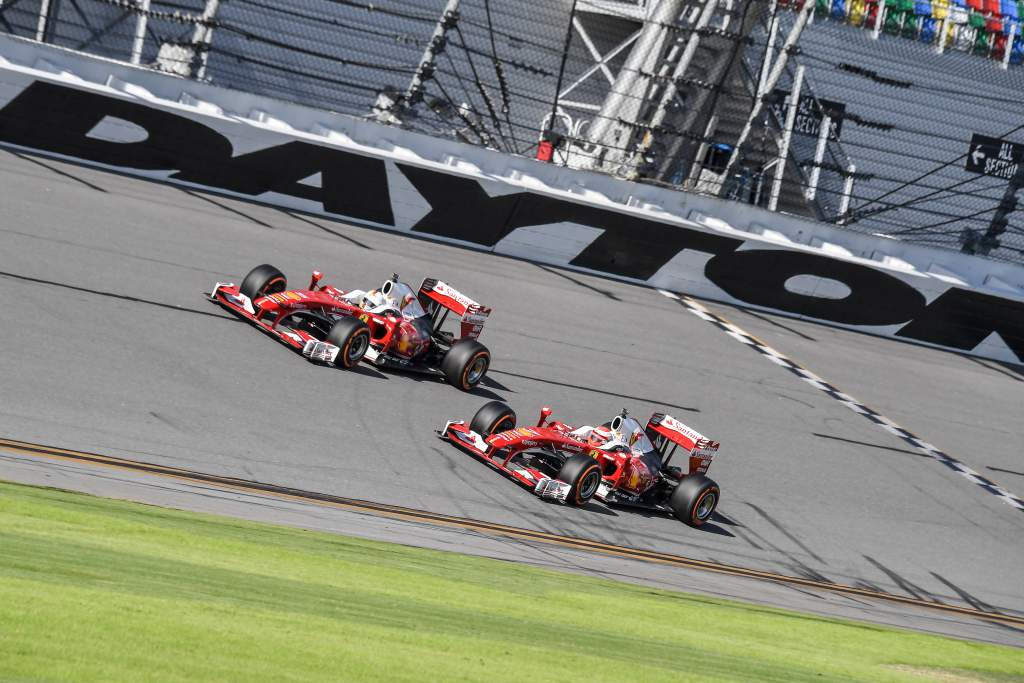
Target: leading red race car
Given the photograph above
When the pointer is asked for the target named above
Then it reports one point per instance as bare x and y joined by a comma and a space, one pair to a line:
390, 327
619, 462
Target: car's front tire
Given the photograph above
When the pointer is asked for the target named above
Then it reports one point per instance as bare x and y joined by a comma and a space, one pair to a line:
466, 363
352, 337
263, 280
492, 418
583, 475
695, 498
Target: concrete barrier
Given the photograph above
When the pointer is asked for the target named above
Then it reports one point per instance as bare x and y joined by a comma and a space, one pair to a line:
158, 126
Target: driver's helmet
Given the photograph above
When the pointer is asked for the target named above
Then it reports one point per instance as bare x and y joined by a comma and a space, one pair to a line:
599, 437
408, 299
387, 296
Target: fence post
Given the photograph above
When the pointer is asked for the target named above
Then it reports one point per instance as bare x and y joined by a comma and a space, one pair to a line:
819, 156
941, 45
203, 36
140, 31
1009, 45
787, 134
44, 12
879, 16
844, 202
425, 68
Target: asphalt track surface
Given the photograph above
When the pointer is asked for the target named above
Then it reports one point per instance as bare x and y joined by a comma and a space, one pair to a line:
108, 345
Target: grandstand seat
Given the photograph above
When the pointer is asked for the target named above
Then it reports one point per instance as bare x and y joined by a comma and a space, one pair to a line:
1017, 53
839, 9
982, 44
923, 8
1010, 10
976, 5
858, 10
928, 28
958, 14
940, 9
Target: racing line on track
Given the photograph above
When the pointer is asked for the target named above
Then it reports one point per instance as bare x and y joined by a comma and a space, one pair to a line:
853, 404
226, 483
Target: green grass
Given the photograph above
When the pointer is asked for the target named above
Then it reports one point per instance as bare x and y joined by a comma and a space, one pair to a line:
93, 589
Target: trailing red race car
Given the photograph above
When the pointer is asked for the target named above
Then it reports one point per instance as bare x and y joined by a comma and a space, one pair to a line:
390, 327
619, 462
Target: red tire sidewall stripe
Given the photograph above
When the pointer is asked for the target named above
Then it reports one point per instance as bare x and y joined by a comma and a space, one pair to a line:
582, 478
697, 521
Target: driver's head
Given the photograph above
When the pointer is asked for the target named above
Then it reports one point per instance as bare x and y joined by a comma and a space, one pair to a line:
598, 437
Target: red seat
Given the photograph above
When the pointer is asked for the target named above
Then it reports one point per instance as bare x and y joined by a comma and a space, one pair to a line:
976, 5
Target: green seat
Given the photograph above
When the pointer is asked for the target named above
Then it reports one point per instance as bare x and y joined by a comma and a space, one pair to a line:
976, 20
981, 43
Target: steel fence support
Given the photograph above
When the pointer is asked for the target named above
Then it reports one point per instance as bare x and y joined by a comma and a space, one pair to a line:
787, 135
819, 156
844, 201
203, 36
1009, 45
773, 78
140, 31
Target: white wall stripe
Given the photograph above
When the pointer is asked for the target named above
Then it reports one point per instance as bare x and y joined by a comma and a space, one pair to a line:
853, 404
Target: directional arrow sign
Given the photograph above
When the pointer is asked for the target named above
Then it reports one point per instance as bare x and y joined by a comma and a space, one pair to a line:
994, 157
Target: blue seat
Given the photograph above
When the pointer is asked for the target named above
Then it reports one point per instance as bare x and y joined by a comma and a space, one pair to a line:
928, 27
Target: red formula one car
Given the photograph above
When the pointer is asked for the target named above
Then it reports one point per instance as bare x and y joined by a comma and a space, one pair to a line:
619, 462
391, 327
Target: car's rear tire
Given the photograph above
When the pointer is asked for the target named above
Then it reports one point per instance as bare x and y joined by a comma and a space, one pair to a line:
583, 475
466, 363
492, 418
263, 280
694, 500
352, 337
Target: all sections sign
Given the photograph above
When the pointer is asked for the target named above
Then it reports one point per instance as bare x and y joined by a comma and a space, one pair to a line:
994, 157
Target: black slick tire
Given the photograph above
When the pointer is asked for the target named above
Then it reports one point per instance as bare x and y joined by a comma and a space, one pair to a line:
694, 500
465, 364
583, 476
263, 280
492, 418
352, 337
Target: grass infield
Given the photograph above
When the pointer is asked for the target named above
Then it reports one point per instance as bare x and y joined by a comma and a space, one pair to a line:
93, 589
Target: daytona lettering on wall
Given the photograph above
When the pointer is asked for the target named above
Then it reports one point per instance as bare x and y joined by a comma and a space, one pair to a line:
58, 119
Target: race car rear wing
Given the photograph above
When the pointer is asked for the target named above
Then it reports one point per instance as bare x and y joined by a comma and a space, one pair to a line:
668, 433
438, 298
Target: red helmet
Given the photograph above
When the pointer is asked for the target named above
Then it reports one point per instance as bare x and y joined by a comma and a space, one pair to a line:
598, 437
